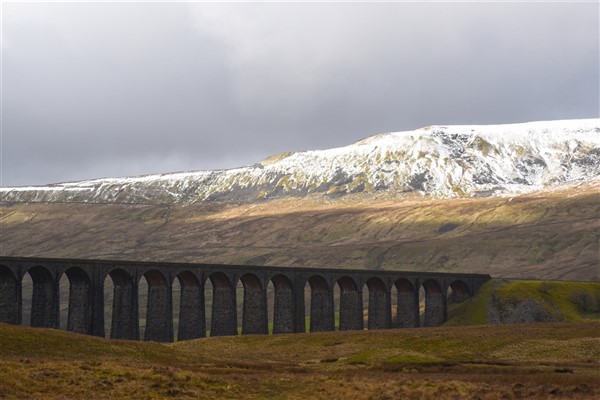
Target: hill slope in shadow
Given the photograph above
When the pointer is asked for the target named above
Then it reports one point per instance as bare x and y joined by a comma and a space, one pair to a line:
549, 235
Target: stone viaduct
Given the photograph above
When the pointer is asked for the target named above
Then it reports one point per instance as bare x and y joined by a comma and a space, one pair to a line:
86, 297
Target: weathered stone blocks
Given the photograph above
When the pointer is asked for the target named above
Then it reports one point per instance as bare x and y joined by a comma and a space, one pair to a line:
254, 318
10, 310
408, 310
80, 316
224, 320
159, 314
125, 324
191, 313
283, 310
321, 310
45, 299
351, 310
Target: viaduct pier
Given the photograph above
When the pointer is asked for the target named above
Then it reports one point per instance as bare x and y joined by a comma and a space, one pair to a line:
86, 297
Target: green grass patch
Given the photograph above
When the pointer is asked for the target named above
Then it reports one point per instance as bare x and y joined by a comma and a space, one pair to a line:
566, 301
572, 301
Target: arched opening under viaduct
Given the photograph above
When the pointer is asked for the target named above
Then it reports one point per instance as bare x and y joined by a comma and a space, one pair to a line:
393, 306
108, 290
142, 304
458, 291
63, 301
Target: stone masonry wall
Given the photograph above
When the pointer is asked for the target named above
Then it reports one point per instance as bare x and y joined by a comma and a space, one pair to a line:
435, 309
351, 310
254, 319
80, 316
9, 300
379, 310
44, 305
321, 311
124, 323
223, 313
408, 310
191, 314
159, 315
283, 311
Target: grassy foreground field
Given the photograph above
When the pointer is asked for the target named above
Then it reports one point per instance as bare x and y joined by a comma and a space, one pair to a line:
486, 362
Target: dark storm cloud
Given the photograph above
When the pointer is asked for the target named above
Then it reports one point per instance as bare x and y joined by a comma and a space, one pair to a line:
113, 89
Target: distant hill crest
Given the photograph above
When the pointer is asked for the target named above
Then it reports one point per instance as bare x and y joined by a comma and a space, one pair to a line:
436, 161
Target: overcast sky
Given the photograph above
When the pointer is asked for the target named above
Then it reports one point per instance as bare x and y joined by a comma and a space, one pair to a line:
115, 89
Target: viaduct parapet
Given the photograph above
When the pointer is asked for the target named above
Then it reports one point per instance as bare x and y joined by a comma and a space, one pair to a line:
86, 299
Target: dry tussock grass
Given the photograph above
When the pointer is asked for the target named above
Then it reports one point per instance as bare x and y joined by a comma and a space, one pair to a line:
485, 362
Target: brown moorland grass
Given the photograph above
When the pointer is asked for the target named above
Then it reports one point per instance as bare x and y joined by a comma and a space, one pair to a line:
549, 235
487, 362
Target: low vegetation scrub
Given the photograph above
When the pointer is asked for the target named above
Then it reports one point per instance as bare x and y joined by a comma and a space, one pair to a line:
586, 301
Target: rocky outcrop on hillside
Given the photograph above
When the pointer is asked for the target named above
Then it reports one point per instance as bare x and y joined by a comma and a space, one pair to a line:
525, 312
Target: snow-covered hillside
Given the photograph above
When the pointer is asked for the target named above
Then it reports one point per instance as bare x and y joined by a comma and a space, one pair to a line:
440, 161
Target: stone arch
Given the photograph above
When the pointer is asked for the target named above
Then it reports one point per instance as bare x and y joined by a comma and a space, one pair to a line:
159, 310
44, 299
283, 305
408, 304
124, 324
10, 307
192, 323
79, 317
321, 305
379, 304
351, 308
254, 314
458, 291
435, 303
223, 316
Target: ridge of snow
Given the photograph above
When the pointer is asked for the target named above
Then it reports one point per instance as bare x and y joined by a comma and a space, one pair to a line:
442, 161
